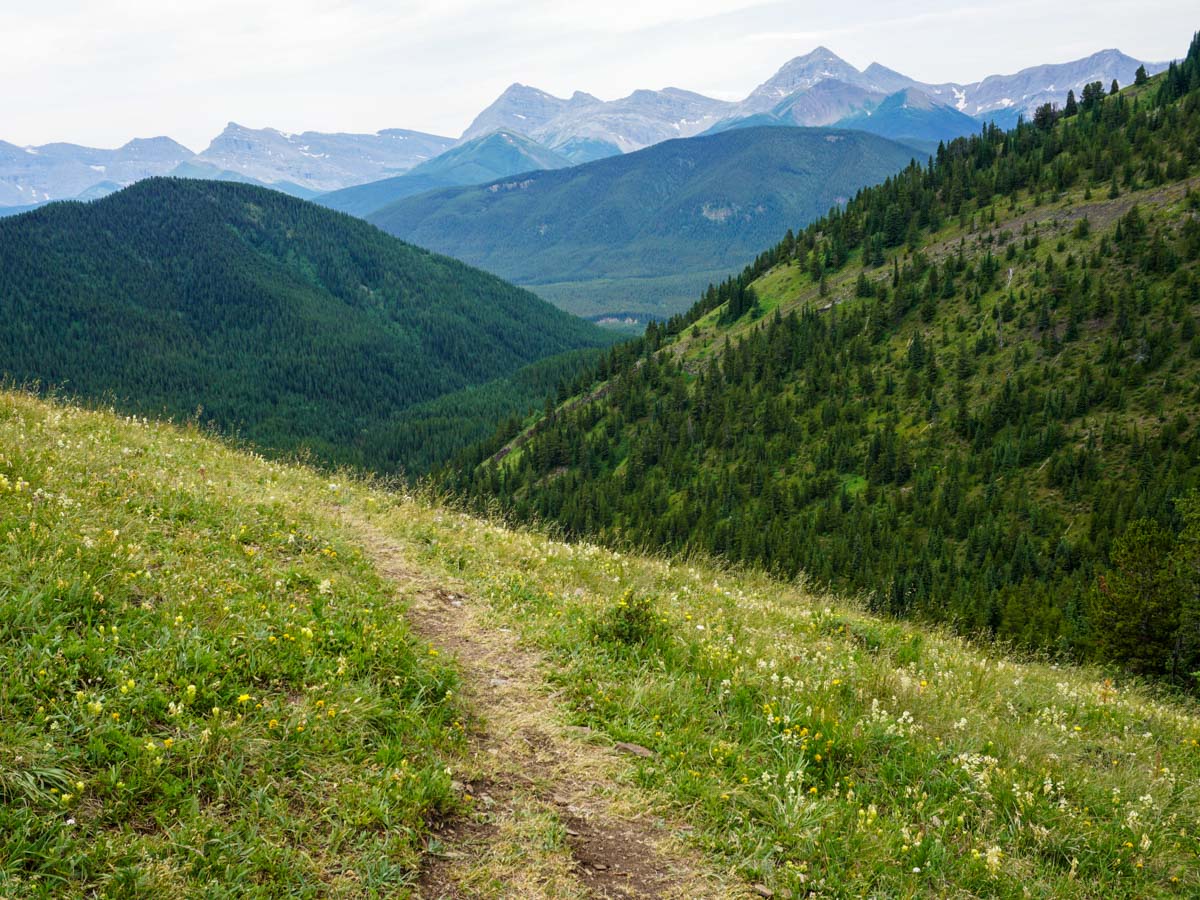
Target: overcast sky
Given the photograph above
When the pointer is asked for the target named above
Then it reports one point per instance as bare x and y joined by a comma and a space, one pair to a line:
100, 72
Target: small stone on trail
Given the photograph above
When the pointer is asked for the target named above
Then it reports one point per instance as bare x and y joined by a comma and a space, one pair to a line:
763, 891
634, 749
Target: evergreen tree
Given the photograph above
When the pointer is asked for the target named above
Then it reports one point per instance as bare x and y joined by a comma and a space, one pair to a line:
1138, 604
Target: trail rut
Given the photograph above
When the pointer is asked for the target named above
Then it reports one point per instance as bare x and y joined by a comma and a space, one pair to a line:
550, 816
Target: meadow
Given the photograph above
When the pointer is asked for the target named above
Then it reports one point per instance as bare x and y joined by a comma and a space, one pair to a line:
209, 690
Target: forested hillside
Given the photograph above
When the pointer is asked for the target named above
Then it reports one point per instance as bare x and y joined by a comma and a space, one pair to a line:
296, 327
590, 237
971, 394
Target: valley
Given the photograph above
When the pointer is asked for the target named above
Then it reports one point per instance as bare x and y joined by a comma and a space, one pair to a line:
302, 330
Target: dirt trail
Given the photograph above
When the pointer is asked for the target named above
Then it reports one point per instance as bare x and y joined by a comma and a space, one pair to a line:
550, 817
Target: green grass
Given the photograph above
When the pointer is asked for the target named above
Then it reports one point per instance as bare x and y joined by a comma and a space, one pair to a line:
206, 691
816, 748
813, 748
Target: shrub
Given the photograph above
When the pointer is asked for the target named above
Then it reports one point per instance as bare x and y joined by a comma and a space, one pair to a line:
630, 622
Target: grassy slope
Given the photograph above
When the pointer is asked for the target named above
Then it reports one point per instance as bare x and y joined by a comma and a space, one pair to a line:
812, 746
206, 690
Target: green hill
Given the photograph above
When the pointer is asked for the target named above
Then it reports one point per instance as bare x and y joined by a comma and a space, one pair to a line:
972, 395
228, 677
678, 210
296, 327
486, 158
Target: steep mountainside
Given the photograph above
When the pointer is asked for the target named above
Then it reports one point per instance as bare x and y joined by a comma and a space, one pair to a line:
679, 209
486, 158
971, 394
802, 74
291, 324
825, 103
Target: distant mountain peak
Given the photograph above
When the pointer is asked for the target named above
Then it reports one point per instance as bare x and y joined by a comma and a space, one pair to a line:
518, 89
821, 56
818, 52
159, 144
521, 108
800, 74
880, 78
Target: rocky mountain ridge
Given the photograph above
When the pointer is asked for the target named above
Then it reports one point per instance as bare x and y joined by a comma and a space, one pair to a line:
816, 89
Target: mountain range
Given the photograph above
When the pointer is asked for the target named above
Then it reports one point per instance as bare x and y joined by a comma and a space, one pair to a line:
320, 162
32, 175
303, 165
816, 89
637, 233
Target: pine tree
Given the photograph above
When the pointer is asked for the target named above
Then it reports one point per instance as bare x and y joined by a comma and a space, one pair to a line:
1137, 605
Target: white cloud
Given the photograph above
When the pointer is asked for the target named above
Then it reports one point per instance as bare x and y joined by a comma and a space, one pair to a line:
103, 72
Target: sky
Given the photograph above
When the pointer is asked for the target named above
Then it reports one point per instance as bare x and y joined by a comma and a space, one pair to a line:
100, 72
